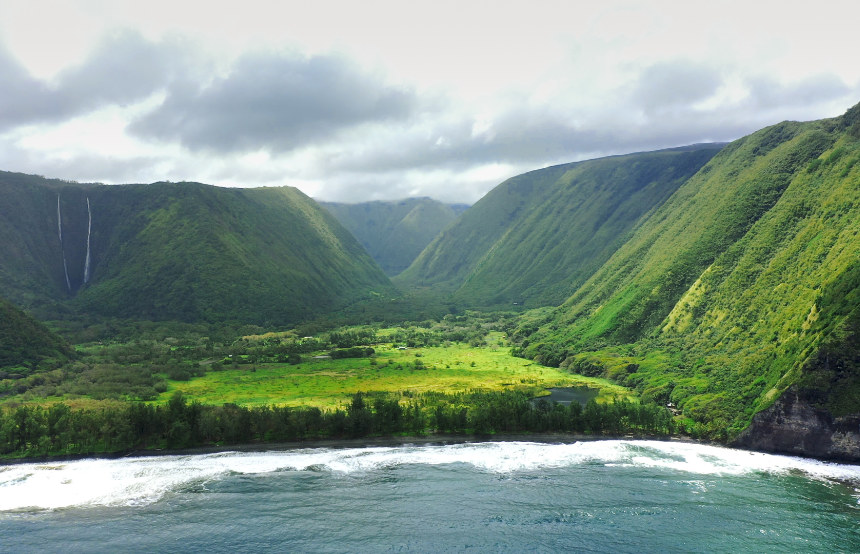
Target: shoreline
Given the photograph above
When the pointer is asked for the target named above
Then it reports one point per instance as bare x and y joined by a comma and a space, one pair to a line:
345, 443
394, 441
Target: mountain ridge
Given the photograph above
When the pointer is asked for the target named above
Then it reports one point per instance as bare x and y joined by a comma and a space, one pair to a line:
534, 237
724, 299
183, 251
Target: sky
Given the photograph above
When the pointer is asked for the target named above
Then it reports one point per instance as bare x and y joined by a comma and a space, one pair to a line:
382, 100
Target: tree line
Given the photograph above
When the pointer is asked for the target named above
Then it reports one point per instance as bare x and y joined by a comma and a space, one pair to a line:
36, 431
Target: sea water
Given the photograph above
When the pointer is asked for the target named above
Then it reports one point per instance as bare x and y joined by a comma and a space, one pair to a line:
595, 496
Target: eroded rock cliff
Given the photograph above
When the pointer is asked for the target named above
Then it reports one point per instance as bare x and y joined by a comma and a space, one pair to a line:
794, 426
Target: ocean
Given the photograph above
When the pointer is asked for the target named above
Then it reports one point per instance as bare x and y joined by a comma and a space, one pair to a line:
589, 496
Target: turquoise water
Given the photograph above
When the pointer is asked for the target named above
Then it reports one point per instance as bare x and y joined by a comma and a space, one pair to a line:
601, 496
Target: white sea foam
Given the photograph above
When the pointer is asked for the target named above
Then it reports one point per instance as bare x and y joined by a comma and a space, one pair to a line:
136, 481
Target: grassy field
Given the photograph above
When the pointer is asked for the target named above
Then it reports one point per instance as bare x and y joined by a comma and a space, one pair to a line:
328, 383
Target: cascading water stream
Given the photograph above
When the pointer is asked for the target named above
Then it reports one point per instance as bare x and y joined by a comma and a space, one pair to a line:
62, 247
89, 230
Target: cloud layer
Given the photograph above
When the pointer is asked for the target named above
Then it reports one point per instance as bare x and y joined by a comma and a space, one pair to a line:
139, 108
124, 68
274, 102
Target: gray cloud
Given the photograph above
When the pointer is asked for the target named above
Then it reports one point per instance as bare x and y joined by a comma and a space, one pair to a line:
123, 68
676, 88
274, 102
663, 106
535, 136
814, 90
126, 68
672, 84
370, 139
24, 98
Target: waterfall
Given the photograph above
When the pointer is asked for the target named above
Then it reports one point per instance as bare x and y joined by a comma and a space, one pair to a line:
89, 230
59, 220
62, 248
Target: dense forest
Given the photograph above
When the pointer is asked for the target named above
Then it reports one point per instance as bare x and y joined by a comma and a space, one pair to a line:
58, 430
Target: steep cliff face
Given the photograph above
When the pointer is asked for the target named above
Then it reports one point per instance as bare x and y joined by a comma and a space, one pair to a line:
794, 426
743, 284
536, 237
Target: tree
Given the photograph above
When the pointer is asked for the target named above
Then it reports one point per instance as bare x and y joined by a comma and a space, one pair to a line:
359, 418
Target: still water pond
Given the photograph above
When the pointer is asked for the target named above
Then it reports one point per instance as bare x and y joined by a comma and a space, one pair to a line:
566, 395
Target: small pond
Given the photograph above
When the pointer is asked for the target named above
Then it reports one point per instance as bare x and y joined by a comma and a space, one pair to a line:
566, 395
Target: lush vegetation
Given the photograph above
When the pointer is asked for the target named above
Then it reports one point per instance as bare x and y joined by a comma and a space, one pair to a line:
741, 285
60, 430
328, 383
707, 282
26, 344
177, 251
536, 237
451, 355
394, 233
173, 387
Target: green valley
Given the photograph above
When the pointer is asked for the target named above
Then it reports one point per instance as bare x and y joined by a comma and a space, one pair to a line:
329, 383
394, 233
710, 290
538, 236
458, 376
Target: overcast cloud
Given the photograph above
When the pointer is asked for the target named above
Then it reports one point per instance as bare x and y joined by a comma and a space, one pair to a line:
274, 102
434, 99
121, 69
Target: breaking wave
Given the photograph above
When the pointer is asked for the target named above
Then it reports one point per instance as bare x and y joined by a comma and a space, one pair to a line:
140, 481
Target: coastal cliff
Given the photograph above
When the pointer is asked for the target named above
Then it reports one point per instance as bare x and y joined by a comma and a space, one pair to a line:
794, 426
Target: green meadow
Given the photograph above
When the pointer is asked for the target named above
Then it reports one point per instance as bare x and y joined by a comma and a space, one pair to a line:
330, 383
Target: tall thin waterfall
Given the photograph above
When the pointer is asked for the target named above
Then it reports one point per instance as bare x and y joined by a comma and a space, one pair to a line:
62, 247
59, 220
89, 230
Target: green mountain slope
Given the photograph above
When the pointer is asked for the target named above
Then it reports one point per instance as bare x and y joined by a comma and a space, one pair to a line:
183, 251
32, 272
536, 237
394, 233
741, 287
26, 342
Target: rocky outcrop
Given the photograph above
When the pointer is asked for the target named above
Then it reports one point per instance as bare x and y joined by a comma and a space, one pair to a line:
794, 426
